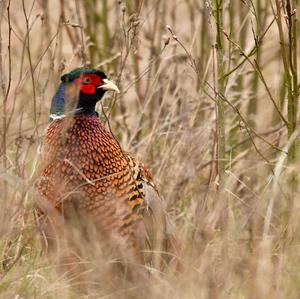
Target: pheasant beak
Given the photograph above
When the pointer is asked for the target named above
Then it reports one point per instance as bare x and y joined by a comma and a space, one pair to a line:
109, 85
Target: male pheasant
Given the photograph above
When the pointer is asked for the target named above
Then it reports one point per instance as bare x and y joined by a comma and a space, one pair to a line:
85, 172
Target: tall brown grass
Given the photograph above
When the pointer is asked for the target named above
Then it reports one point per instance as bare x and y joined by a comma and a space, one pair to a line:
209, 101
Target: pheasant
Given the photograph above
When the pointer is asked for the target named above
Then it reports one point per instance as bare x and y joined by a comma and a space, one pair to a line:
85, 172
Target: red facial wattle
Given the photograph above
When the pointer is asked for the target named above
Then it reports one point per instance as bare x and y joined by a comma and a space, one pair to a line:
93, 82
88, 89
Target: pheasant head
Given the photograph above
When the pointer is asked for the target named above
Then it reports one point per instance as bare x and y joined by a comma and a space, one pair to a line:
79, 91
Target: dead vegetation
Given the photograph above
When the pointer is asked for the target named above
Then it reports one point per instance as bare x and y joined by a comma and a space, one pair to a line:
209, 99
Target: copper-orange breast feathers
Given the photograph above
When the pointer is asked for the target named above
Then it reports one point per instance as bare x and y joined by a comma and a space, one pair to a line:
83, 164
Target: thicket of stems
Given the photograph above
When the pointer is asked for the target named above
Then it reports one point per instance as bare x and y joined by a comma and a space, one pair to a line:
209, 101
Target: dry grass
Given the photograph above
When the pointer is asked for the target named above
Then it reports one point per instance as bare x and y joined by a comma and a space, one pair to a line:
240, 239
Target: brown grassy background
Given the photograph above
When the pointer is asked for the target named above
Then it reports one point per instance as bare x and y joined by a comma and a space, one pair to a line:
238, 241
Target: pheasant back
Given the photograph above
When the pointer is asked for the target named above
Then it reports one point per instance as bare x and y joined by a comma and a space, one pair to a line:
85, 167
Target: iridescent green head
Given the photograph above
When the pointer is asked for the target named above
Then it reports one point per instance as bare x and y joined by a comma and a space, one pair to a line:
79, 92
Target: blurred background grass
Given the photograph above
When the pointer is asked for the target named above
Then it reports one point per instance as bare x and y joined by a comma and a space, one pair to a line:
209, 96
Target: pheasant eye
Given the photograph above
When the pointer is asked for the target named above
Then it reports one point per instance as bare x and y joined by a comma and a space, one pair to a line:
86, 80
